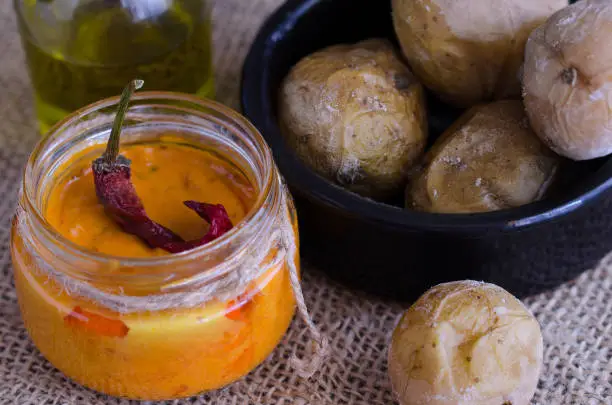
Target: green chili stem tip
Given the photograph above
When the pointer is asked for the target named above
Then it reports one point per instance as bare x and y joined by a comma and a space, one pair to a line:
112, 148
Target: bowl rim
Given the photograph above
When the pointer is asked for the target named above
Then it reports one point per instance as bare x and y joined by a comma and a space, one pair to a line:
256, 106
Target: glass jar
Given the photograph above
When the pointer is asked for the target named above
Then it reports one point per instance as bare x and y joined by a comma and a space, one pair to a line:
161, 327
81, 51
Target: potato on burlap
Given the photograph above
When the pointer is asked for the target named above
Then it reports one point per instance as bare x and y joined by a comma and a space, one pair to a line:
568, 80
488, 160
469, 51
355, 114
466, 343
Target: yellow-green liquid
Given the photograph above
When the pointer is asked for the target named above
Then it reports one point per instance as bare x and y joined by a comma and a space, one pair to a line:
104, 47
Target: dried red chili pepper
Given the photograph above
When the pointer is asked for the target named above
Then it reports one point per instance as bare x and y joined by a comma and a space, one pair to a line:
215, 215
112, 178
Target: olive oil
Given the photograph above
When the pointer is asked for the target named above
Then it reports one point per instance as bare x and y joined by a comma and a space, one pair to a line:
106, 43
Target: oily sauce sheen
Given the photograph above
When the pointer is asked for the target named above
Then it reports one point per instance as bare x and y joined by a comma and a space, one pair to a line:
164, 176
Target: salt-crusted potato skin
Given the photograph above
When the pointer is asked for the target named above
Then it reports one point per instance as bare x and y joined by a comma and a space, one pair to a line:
488, 160
466, 343
356, 115
568, 80
469, 51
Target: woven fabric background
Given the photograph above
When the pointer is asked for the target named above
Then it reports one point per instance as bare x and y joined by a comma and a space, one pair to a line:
576, 318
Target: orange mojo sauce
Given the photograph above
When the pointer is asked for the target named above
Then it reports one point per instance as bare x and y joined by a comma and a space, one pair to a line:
151, 355
164, 176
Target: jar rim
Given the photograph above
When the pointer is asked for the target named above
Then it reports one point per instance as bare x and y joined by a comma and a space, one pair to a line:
226, 113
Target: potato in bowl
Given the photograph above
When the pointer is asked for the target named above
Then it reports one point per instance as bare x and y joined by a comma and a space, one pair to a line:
469, 51
489, 160
356, 115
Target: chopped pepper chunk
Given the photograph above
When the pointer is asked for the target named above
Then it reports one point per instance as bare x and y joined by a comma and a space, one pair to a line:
99, 324
237, 309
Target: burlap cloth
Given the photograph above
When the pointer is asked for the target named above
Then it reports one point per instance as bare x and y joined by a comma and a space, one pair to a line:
576, 318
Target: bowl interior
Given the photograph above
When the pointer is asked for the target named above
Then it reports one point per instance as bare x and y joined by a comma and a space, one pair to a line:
301, 27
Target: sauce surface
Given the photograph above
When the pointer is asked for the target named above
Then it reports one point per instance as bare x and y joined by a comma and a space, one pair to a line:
164, 176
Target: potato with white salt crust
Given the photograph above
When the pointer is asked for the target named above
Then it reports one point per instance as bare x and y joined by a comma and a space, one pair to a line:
469, 51
488, 160
568, 80
466, 343
356, 115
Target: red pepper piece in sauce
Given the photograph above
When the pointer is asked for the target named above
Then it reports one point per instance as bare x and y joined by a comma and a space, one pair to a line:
215, 215
96, 323
237, 309
114, 188
116, 192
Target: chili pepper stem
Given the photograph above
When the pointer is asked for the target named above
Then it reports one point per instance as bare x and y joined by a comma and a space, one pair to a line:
112, 148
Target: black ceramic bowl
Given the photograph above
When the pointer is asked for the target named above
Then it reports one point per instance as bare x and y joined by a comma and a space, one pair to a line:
399, 253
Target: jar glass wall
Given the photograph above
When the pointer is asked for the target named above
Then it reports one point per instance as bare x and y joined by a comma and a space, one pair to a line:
157, 327
81, 51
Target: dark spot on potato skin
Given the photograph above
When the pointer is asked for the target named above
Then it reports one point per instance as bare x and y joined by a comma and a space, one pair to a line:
350, 178
569, 76
344, 179
435, 18
304, 139
401, 82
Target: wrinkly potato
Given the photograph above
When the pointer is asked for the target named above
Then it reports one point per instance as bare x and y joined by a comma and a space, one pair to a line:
568, 80
466, 343
488, 160
356, 115
469, 51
